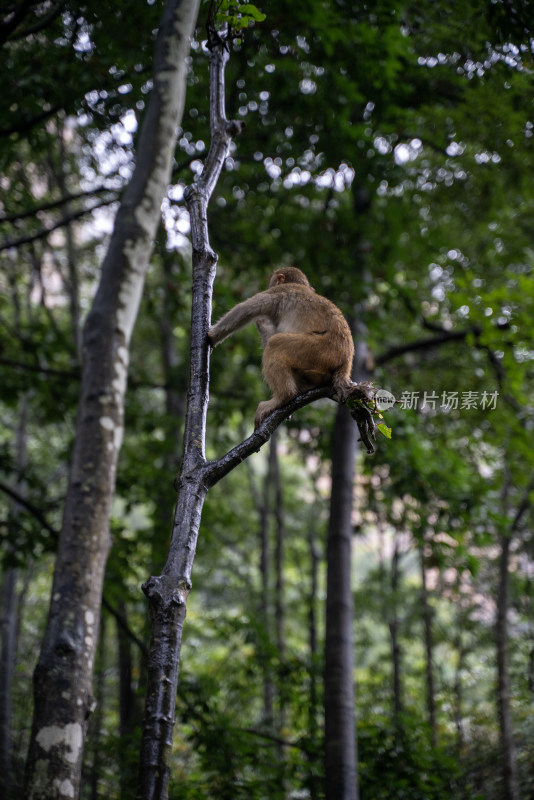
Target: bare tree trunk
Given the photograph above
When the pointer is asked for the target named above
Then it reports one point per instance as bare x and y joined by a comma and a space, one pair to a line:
339, 700
127, 709
174, 393
72, 281
63, 676
394, 635
458, 695
312, 626
509, 766
429, 650
268, 688
279, 548
274, 469
10, 617
126, 697
7, 665
340, 758
509, 770
313, 782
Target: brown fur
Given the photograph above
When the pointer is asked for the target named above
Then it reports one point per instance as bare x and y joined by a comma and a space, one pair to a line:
306, 339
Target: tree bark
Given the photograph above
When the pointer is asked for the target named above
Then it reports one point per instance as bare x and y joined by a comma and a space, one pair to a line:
274, 469
268, 687
126, 695
394, 635
71, 280
509, 769
340, 756
129, 718
340, 732
458, 697
429, 650
508, 756
7, 663
10, 615
63, 676
313, 781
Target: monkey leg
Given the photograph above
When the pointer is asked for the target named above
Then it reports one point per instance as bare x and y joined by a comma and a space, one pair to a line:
290, 366
279, 375
282, 383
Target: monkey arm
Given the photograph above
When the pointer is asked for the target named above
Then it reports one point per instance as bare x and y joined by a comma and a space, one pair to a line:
262, 304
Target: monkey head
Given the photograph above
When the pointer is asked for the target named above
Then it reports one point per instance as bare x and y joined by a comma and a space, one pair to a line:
288, 275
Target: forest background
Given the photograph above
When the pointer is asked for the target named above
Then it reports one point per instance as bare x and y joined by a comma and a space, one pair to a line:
388, 153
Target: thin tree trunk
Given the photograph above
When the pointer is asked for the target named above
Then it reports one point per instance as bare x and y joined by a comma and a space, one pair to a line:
279, 549
279, 584
10, 616
127, 709
509, 766
458, 694
429, 650
340, 757
7, 665
63, 676
509, 770
313, 782
265, 617
126, 696
72, 281
174, 393
339, 700
312, 626
394, 635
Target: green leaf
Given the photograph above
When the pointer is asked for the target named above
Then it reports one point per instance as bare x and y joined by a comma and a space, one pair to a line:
383, 428
251, 11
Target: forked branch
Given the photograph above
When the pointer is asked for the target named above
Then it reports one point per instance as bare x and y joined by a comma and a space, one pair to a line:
359, 402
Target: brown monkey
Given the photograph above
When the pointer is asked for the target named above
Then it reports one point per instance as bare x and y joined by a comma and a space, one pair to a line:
306, 339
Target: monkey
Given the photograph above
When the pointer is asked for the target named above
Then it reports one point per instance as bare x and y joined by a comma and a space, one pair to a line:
306, 339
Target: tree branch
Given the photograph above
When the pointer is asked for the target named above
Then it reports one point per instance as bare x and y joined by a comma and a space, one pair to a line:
425, 344
45, 20
32, 212
33, 237
34, 511
125, 627
67, 375
523, 506
18, 14
28, 124
213, 471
